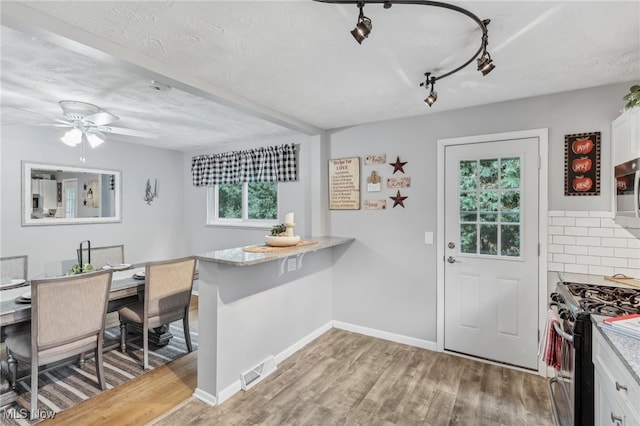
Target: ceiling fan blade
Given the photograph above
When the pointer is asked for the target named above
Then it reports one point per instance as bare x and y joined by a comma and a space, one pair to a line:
127, 132
67, 122
101, 118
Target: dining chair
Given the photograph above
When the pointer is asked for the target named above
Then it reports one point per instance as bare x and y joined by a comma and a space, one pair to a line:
14, 267
101, 256
67, 319
167, 296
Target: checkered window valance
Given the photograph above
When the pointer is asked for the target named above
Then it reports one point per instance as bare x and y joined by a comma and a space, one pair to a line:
267, 164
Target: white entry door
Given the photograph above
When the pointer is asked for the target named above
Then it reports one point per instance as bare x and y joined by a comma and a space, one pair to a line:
491, 250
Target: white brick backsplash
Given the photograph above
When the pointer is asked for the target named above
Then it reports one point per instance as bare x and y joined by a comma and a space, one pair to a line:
601, 251
563, 258
576, 269
573, 230
561, 239
555, 248
607, 223
600, 232
588, 221
555, 230
601, 214
588, 260
576, 249
633, 243
590, 242
559, 267
618, 262
562, 221
601, 270
628, 253
576, 213
614, 242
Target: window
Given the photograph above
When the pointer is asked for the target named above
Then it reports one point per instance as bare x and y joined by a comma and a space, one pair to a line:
490, 207
253, 203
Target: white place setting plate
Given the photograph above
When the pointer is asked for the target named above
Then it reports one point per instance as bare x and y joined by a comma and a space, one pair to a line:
13, 282
120, 267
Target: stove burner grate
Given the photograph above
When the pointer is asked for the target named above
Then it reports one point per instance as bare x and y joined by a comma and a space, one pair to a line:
605, 300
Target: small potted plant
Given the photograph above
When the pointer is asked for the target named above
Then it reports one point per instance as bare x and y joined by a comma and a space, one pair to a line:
632, 98
279, 237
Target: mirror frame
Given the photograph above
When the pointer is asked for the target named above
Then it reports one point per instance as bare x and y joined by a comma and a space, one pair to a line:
27, 220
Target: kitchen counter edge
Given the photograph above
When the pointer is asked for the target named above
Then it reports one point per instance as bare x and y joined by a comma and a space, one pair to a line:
238, 257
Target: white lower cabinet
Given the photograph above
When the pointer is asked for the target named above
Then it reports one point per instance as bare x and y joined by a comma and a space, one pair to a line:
616, 393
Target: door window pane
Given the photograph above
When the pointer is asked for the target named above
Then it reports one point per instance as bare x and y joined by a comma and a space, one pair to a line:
468, 239
488, 239
510, 244
489, 204
489, 174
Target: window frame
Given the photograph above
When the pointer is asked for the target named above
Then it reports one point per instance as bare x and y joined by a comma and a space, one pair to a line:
244, 222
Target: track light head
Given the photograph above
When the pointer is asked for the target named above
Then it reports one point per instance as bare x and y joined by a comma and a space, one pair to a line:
432, 98
364, 26
485, 64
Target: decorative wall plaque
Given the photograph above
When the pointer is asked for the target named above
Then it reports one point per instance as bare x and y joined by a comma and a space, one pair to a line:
582, 164
375, 159
374, 182
404, 182
344, 184
375, 204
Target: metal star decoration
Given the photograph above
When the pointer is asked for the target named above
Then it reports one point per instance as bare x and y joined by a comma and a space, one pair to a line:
398, 165
398, 200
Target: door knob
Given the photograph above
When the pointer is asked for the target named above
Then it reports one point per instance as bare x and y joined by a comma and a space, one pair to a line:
451, 259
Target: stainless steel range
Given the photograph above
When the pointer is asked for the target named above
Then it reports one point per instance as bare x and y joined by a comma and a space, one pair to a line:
572, 387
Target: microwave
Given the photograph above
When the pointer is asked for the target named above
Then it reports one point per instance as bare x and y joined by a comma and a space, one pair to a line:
627, 189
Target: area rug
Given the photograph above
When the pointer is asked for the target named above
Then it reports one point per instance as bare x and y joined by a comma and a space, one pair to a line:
62, 388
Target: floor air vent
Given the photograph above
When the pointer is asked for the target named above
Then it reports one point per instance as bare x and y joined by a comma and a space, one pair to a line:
257, 373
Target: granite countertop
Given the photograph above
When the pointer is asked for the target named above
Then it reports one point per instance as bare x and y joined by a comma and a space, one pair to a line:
239, 257
590, 279
627, 348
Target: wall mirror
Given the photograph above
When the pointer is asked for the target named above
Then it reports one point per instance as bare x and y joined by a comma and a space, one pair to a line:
64, 195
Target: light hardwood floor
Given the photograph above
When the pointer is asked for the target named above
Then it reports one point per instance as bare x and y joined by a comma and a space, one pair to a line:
343, 378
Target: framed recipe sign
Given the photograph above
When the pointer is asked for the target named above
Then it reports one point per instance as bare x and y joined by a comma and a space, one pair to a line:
582, 164
344, 184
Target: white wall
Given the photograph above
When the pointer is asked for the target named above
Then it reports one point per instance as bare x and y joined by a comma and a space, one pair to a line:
387, 278
293, 197
149, 232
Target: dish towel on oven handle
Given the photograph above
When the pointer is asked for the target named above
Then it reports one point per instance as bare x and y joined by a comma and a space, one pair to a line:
550, 350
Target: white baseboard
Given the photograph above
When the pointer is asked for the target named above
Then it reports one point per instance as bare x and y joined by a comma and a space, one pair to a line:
205, 397
398, 338
236, 386
302, 342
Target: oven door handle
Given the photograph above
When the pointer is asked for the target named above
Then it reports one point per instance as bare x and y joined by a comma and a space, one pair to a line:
562, 333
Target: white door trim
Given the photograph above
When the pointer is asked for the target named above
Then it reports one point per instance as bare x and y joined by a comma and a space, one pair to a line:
543, 201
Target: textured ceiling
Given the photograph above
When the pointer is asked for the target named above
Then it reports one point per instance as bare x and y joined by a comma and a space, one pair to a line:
241, 70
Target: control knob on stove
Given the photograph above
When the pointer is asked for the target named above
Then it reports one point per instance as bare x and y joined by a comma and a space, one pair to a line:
557, 297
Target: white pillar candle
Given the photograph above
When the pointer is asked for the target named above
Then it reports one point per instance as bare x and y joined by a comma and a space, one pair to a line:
289, 218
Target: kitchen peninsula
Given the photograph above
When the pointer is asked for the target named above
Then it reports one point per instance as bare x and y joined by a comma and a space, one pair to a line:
256, 309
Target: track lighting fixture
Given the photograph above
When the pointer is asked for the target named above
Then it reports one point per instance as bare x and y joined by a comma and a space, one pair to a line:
433, 95
485, 63
363, 27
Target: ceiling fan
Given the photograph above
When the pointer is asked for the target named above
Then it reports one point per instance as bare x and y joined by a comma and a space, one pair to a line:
90, 122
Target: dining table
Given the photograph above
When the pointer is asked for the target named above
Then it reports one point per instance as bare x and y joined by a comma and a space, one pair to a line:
126, 286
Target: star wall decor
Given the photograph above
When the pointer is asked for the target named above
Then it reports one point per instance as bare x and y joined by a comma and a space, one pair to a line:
398, 200
398, 165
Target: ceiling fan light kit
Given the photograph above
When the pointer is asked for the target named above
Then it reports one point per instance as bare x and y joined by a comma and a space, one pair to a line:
364, 26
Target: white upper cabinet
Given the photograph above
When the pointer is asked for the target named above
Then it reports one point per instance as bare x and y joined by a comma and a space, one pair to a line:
625, 136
